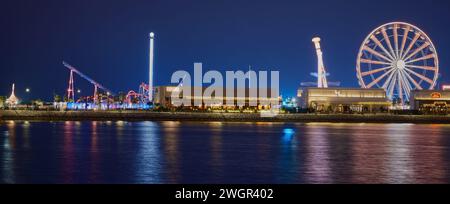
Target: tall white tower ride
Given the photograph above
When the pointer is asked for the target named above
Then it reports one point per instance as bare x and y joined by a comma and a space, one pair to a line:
321, 73
150, 80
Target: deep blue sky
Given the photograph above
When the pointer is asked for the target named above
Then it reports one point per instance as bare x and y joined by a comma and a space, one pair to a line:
108, 40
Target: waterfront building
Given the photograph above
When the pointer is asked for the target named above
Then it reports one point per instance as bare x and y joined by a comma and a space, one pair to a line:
163, 98
343, 100
431, 101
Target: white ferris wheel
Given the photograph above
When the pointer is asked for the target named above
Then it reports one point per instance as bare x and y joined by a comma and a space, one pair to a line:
398, 57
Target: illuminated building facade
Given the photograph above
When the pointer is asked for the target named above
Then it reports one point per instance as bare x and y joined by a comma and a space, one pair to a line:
446, 87
163, 98
430, 101
343, 100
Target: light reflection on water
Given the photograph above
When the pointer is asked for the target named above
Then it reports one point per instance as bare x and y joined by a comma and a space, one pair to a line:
317, 155
172, 157
148, 155
218, 152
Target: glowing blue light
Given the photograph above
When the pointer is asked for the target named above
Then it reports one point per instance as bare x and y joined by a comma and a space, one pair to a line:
288, 134
105, 106
288, 131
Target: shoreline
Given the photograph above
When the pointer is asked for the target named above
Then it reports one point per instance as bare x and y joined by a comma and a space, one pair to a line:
127, 115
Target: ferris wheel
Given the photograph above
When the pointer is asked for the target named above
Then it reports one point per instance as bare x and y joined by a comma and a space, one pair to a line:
398, 57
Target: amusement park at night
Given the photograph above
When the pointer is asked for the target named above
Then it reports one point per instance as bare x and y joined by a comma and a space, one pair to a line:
224, 100
397, 68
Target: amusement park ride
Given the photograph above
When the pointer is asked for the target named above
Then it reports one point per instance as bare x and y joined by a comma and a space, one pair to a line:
144, 96
397, 57
321, 73
138, 97
133, 100
96, 101
102, 97
71, 90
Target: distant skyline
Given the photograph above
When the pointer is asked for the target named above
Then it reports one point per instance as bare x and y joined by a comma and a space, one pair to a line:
108, 40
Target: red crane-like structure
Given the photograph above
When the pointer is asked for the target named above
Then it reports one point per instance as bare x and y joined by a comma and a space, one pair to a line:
71, 90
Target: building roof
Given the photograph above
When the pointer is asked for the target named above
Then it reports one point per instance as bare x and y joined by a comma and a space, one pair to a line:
430, 91
345, 88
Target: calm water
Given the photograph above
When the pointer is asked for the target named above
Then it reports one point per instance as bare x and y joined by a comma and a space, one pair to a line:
216, 152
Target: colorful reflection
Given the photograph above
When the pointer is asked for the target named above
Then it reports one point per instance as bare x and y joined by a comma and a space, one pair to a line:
170, 132
8, 159
68, 149
317, 164
148, 164
221, 152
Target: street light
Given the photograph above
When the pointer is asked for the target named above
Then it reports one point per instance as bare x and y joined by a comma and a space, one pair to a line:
78, 91
27, 90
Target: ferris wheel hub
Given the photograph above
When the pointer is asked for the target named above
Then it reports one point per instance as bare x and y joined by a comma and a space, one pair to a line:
400, 64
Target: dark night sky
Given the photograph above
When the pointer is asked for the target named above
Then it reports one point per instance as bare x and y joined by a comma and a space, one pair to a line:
108, 40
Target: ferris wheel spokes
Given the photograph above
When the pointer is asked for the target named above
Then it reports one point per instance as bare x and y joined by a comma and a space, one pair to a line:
396, 40
405, 37
399, 58
386, 38
375, 39
411, 44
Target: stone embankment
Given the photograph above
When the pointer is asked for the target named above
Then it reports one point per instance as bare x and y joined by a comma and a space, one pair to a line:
200, 116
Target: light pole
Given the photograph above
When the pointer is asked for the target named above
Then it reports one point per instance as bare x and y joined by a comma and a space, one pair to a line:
27, 90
